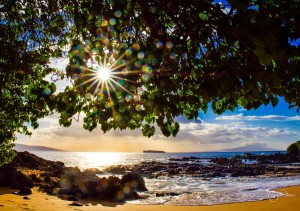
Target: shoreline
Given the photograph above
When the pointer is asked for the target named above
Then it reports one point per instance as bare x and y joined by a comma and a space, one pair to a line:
41, 201
54, 178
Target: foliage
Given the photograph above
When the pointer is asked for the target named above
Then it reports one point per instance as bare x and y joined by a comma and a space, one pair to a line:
294, 148
169, 58
26, 42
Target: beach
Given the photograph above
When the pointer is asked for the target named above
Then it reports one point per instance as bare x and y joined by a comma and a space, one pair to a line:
41, 201
50, 185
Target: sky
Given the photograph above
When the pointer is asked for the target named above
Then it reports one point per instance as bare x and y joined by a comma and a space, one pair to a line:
266, 128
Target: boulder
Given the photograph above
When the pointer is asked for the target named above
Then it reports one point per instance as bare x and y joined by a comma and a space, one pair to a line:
25, 191
7, 172
134, 181
119, 169
46, 188
76, 204
20, 180
35, 178
93, 171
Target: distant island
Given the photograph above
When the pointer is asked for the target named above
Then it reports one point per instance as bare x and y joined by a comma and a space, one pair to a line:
153, 151
23, 147
250, 148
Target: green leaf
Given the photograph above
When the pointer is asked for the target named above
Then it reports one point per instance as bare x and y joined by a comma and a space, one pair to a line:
202, 15
274, 101
148, 130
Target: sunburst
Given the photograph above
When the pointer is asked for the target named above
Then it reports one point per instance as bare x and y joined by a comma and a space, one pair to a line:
104, 73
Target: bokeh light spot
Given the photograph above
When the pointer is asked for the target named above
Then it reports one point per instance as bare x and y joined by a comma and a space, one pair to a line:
118, 13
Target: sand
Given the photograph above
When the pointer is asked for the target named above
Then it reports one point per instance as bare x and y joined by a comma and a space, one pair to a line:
42, 201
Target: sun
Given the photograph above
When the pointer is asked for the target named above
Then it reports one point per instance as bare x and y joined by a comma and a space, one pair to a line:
104, 73
108, 72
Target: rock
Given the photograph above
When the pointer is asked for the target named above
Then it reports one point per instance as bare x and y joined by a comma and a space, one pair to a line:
93, 171
191, 158
135, 181
26, 197
251, 189
76, 204
249, 156
20, 180
47, 179
236, 160
173, 172
220, 161
159, 194
25, 191
214, 174
46, 188
31, 161
262, 159
35, 178
69, 191
72, 198
86, 185
193, 168
173, 194
119, 169
175, 159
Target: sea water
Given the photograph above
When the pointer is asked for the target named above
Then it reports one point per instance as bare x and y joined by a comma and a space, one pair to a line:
191, 190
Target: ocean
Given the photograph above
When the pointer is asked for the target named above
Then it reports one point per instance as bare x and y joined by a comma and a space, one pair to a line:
192, 190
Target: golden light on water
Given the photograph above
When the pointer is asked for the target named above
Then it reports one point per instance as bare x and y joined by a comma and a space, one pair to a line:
103, 158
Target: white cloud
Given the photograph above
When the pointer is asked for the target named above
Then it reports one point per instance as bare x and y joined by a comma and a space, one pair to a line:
212, 135
60, 64
215, 133
241, 117
50, 129
206, 133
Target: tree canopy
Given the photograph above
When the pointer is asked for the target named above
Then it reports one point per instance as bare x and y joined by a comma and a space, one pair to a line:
294, 148
136, 64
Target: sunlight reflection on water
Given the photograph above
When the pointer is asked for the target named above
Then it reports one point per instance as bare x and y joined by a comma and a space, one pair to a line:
102, 160
194, 190
98, 160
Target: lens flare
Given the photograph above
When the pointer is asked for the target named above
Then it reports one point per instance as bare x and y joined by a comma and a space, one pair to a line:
104, 73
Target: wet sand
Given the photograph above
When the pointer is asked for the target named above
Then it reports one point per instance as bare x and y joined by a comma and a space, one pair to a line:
42, 201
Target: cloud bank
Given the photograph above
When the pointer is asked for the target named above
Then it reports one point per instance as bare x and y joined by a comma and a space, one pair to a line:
241, 117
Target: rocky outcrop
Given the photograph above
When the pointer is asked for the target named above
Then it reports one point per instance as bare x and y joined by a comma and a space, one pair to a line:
191, 158
276, 158
86, 185
70, 183
218, 167
134, 181
10, 176
67, 182
25, 191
